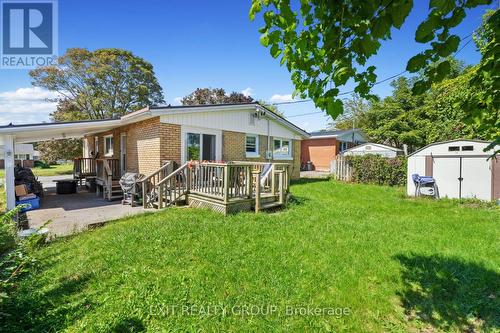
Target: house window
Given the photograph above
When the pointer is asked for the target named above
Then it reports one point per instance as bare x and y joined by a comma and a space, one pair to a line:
467, 148
453, 148
282, 149
108, 145
343, 146
252, 145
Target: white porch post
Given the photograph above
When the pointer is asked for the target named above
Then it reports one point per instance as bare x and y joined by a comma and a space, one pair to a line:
9, 172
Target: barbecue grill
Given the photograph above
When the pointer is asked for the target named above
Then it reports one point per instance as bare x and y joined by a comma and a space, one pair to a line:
131, 188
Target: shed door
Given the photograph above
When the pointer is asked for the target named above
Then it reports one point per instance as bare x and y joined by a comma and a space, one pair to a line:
446, 172
476, 174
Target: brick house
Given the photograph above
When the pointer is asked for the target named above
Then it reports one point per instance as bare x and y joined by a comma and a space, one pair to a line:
144, 140
323, 146
240, 132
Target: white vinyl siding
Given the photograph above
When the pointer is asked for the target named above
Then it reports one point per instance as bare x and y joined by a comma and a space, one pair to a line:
230, 120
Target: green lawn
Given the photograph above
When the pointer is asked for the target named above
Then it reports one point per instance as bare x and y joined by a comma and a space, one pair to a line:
54, 170
395, 264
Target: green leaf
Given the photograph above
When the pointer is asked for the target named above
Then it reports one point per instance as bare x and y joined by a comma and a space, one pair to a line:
256, 7
455, 19
420, 87
264, 39
334, 107
275, 51
425, 31
475, 3
381, 27
399, 11
442, 70
443, 6
450, 46
416, 63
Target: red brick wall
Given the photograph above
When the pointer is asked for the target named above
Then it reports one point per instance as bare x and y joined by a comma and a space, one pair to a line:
320, 152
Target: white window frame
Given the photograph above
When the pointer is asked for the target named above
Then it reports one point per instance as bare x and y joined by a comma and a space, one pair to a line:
256, 153
111, 149
96, 144
283, 156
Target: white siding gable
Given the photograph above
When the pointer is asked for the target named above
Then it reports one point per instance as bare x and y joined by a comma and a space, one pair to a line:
230, 120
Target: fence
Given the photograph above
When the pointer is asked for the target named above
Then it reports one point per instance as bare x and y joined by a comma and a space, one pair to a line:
341, 169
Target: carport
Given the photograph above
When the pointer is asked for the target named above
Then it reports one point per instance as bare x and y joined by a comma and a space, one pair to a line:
12, 134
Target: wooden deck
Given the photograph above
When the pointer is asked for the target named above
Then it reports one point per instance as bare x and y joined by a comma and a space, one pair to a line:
223, 187
227, 187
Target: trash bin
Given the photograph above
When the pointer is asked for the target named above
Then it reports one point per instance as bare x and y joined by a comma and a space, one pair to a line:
309, 166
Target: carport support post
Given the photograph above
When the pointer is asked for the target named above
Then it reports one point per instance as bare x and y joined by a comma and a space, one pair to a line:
9, 172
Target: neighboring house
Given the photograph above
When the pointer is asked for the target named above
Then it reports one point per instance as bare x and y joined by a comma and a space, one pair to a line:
323, 146
373, 148
23, 154
143, 141
461, 169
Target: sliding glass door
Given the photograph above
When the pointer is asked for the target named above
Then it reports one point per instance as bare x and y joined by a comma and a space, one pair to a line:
200, 147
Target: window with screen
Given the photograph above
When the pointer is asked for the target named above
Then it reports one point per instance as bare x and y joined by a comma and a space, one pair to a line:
108, 145
252, 145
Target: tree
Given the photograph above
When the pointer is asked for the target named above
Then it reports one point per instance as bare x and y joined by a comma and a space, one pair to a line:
354, 108
418, 120
271, 107
65, 149
325, 43
214, 96
102, 83
484, 102
396, 120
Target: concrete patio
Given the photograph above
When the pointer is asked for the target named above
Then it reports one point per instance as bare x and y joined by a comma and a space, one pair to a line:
71, 213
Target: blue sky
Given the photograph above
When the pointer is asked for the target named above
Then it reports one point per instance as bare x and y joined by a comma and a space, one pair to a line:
200, 44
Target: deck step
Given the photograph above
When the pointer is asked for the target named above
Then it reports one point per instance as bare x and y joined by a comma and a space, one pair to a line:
116, 197
271, 205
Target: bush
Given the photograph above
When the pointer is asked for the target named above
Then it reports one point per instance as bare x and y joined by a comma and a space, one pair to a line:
375, 169
42, 165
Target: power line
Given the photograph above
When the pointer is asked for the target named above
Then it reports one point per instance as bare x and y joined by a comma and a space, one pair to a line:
376, 83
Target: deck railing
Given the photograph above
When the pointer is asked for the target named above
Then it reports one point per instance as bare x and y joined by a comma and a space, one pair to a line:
150, 182
84, 167
112, 163
238, 180
224, 182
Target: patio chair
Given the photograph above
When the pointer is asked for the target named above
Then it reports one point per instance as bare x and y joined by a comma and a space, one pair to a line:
425, 185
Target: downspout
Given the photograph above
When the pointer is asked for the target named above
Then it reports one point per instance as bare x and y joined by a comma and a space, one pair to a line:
268, 137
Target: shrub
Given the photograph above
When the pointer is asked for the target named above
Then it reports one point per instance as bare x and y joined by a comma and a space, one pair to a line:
375, 169
42, 165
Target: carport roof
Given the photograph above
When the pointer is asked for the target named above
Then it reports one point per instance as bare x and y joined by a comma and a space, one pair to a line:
57, 130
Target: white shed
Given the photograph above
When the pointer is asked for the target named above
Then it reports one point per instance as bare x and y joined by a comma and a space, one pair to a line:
373, 148
461, 169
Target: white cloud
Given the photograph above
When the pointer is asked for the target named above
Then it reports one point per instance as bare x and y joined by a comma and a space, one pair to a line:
177, 100
277, 98
247, 92
26, 105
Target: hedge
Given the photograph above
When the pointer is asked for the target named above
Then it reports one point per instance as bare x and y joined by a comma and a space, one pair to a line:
375, 169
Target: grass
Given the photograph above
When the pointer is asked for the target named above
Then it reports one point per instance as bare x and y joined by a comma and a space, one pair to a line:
383, 262
54, 170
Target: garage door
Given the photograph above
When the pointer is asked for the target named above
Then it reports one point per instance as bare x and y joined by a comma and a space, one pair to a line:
446, 172
476, 174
